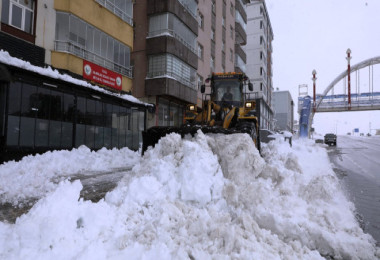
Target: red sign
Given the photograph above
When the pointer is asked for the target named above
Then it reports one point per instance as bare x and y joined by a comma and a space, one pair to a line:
101, 75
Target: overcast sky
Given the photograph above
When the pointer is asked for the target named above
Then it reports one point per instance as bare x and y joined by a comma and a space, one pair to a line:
315, 34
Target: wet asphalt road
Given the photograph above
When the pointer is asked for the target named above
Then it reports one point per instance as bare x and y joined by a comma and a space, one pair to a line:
356, 161
95, 187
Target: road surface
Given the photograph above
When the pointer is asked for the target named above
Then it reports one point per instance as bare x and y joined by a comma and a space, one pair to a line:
357, 162
95, 186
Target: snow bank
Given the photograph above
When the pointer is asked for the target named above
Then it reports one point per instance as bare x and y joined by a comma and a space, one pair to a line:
211, 197
34, 176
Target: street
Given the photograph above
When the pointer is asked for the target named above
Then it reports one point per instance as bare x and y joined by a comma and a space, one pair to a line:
356, 162
95, 186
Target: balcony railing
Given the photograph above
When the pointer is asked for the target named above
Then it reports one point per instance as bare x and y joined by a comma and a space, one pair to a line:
79, 51
172, 33
116, 10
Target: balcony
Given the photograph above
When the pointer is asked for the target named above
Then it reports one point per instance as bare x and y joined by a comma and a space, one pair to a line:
168, 86
241, 9
175, 7
240, 34
191, 6
116, 10
167, 44
239, 51
172, 33
80, 52
239, 64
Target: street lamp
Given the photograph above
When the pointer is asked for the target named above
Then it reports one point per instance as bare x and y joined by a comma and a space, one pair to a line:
314, 80
349, 77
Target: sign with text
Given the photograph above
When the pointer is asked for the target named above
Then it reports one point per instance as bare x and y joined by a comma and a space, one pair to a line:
101, 75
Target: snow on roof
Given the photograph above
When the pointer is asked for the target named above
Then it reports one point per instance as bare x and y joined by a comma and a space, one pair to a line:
49, 72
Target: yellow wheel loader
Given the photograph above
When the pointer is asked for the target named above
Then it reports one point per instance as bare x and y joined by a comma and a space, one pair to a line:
227, 109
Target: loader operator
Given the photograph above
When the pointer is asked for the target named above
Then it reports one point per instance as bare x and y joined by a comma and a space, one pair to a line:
227, 96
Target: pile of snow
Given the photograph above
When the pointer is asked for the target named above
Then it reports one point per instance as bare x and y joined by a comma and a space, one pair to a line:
34, 176
209, 197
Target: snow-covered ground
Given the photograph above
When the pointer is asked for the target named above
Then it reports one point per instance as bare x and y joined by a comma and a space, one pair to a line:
209, 197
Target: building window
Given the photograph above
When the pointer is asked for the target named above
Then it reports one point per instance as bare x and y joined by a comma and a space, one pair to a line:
232, 32
261, 55
232, 9
169, 65
200, 20
212, 63
213, 7
261, 24
231, 55
200, 51
168, 23
81, 39
18, 13
121, 8
212, 35
261, 40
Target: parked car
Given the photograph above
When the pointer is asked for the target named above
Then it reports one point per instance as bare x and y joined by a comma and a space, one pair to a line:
330, 139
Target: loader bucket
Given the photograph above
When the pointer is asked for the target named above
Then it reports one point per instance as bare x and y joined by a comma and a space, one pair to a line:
152, 135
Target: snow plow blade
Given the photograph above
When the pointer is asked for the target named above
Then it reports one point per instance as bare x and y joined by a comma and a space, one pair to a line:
152, 135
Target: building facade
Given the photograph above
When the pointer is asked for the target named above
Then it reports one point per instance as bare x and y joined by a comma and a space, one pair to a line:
259, 59
221, 35
165, 57
74, 34
88, 40
284, 111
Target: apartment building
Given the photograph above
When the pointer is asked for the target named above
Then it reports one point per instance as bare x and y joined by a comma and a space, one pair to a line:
221, 35
284, 111
259, 59
87, 40
165, 57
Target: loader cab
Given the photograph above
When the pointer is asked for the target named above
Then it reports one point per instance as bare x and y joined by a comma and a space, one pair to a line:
227, 92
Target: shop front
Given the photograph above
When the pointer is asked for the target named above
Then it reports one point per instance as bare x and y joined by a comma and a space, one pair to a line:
39, 113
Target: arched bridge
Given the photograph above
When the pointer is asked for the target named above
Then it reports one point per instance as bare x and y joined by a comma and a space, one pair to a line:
353, 98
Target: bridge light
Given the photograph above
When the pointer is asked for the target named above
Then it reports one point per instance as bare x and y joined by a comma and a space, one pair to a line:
348, 58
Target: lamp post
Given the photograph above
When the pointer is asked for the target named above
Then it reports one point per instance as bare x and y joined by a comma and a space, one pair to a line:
349, 77
314, 96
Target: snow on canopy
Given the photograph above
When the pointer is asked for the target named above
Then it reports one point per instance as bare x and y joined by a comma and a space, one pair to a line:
49, 72
207, 197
